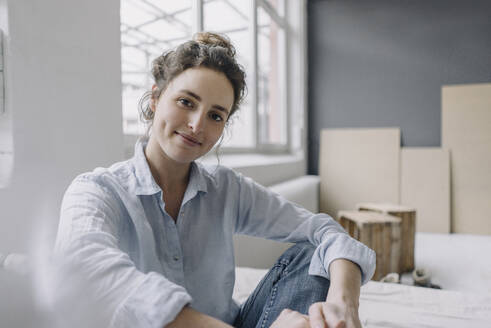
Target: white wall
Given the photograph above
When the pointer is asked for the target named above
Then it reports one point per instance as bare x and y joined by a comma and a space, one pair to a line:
64, 106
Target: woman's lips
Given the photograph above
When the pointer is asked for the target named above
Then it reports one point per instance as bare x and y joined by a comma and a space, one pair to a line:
188, 139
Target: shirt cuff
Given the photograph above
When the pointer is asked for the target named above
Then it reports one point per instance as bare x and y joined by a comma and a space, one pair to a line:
342, 246
154, 304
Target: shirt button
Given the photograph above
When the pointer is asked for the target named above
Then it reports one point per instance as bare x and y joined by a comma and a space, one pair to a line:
176, 258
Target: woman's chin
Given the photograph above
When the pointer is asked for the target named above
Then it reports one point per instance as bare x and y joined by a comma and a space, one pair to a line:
182, 157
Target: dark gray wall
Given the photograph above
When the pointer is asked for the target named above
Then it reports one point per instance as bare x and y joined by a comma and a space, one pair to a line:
381, 63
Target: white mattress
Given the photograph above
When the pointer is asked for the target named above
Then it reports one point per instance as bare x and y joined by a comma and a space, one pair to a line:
400, 306
456, 262
460, 264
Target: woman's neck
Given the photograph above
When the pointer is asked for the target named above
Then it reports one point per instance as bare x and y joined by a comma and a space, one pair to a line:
169, 174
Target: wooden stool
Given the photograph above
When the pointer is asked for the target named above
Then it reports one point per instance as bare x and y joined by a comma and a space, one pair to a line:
408, 228
380, 232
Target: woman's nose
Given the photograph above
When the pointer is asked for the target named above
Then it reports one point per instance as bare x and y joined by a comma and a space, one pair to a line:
196, 122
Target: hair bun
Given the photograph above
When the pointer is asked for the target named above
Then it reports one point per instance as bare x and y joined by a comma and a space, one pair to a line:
215, 40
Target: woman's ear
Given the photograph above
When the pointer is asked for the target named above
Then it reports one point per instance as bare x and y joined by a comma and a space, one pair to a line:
153, 99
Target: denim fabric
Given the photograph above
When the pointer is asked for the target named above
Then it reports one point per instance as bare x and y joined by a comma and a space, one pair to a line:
287, 285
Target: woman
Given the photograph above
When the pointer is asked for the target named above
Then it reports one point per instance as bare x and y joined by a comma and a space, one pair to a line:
154, 233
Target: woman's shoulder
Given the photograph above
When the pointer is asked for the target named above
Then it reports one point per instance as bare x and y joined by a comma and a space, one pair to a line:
226, 179
218, 173
117, 176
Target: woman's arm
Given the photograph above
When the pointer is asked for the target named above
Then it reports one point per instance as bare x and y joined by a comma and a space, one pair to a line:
262, 213
345, 281
93, 263
341, 306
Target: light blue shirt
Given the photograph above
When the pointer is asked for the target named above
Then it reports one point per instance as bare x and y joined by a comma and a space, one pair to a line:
148, 267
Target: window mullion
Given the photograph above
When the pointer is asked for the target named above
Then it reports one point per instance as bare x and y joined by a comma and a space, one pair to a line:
197, 12
253, 85
272, 13
287, 83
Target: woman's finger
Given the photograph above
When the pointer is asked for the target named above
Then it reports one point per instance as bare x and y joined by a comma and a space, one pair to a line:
316, 317
306, 317
334, 316
291, 319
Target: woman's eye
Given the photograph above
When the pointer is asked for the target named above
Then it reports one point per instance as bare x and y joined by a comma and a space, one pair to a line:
216, 117
185, 102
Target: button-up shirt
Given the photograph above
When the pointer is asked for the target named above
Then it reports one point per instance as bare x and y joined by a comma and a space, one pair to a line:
147, 267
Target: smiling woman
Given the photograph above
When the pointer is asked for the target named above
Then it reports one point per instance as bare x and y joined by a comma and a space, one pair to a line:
154, 234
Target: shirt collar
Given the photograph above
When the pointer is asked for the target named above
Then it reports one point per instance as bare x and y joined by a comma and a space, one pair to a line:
145, 183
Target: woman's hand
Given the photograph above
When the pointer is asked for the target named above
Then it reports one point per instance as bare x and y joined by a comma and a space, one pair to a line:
291, 319
334, 314
340, 310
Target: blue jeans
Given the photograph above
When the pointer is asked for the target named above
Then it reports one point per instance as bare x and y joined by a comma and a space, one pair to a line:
287, 285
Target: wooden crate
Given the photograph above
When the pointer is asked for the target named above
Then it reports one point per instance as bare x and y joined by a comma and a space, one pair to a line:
380, 232
408, 228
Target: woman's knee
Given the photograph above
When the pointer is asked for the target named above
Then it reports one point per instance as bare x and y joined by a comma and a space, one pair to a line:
301, 253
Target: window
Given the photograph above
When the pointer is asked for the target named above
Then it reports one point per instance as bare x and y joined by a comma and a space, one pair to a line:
257, 29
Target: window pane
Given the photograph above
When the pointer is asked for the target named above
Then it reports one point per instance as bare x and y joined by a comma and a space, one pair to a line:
271, 76
148, 28
231, 17
278, 6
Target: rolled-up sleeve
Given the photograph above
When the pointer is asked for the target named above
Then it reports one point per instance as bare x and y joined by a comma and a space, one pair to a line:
89, 236
263, 213
342, 246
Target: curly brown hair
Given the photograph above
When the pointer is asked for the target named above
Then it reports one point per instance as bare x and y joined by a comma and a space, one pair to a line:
207, 49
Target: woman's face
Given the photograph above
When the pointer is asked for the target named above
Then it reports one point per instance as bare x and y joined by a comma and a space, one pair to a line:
191, 113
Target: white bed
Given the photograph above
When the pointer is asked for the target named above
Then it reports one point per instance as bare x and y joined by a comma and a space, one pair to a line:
460, 264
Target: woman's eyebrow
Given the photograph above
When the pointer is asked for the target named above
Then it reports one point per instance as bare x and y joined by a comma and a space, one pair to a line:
192, 94
198, 98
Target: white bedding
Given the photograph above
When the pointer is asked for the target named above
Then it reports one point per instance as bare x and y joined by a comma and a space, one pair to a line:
400, 306
460, 264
